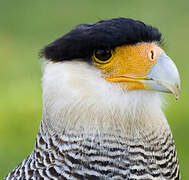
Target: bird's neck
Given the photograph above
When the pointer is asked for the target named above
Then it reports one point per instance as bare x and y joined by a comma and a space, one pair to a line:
135, 120
76, 99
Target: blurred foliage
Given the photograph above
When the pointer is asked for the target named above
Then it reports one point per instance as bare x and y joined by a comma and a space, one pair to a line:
26, 26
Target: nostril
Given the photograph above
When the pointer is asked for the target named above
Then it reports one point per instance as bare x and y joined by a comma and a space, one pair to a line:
152, 55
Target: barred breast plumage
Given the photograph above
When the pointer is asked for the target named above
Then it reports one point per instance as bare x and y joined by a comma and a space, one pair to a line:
103, 157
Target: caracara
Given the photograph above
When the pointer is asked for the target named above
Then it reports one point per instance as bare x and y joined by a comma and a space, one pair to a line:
102, 114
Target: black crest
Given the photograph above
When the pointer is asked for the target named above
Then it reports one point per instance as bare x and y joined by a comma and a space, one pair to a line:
85, 38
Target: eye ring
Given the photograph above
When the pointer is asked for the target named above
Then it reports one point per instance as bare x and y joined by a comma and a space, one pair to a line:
102, 55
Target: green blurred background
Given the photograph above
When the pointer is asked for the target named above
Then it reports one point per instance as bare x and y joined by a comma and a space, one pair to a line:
26, 26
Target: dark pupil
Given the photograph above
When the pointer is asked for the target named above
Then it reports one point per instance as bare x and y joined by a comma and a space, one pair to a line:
103, 54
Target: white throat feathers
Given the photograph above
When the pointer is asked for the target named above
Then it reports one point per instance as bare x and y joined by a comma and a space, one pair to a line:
77, 99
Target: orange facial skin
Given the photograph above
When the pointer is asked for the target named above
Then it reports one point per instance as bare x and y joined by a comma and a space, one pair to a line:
130, 64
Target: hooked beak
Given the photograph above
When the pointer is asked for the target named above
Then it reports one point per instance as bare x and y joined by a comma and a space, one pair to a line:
164, 76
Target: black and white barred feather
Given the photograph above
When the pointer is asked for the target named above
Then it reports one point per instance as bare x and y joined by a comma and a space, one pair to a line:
81, 157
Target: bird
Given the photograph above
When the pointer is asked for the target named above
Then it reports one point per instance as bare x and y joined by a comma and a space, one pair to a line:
103, 89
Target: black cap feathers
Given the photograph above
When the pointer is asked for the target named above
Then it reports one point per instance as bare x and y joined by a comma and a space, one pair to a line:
81, 41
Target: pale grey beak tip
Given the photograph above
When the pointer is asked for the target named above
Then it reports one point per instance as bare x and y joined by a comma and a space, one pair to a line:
165, 76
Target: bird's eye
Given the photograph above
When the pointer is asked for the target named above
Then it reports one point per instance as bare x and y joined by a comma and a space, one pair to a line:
102, 55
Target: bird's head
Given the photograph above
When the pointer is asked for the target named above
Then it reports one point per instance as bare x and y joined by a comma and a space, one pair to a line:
112, 58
